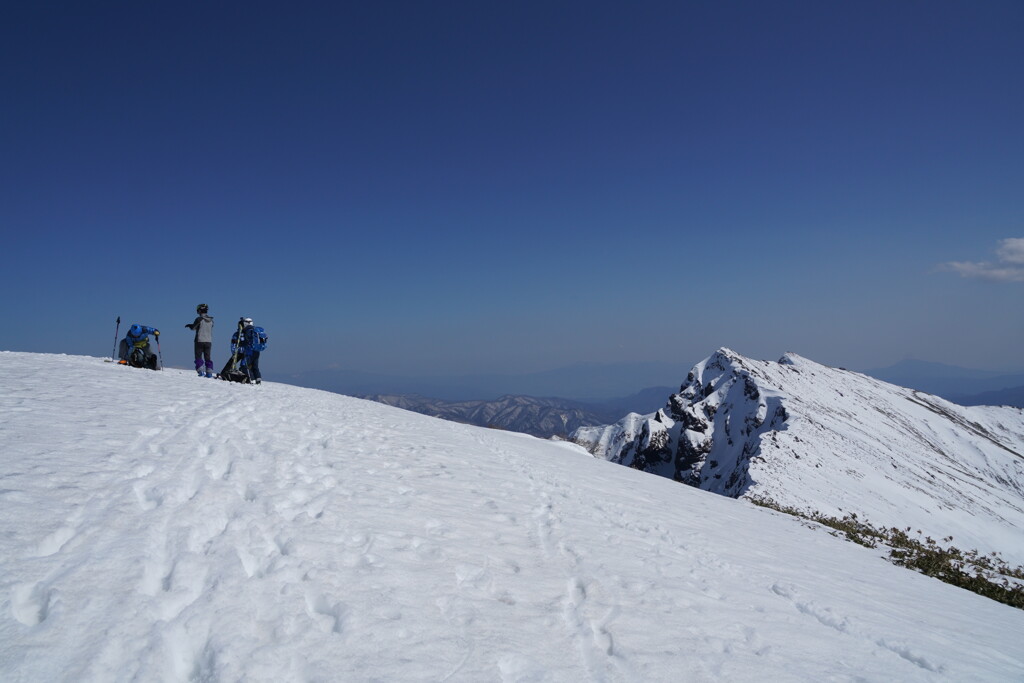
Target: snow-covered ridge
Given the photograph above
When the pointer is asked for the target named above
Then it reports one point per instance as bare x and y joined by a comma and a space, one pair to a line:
838, 442
159, 527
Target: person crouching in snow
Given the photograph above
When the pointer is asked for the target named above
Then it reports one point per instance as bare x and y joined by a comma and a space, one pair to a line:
134, 348
203, 326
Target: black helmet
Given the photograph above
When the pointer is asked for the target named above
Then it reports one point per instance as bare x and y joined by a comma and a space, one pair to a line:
202, 308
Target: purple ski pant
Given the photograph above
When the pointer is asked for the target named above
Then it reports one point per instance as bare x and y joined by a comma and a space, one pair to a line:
203, 360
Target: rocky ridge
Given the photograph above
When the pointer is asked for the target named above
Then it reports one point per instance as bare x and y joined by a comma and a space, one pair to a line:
838, 442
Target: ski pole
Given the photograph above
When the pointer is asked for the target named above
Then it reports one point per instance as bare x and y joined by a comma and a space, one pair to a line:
159, 353
117, 331
238, 342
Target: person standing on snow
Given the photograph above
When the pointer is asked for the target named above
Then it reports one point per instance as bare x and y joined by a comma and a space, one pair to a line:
203, 326
246, 344
137, 339
249, 341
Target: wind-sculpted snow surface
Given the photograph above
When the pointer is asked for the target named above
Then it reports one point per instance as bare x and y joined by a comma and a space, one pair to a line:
837, 442
157, 527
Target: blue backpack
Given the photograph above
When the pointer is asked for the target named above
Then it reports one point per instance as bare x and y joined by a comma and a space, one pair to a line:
259, 339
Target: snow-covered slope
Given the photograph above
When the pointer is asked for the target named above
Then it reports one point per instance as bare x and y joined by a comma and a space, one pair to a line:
159, 527
838, 442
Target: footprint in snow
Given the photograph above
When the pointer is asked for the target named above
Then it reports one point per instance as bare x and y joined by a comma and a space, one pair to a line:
30, 603
55, 541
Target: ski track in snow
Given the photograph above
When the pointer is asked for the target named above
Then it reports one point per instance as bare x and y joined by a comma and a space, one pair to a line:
157, 527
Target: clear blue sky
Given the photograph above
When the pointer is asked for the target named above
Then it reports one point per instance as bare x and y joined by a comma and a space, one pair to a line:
462, 187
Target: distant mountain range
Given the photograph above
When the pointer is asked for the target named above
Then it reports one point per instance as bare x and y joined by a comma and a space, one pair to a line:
814, 437
555, 416
537, 416
592, 383
960, 385
557, 402
542, 417
1001, 397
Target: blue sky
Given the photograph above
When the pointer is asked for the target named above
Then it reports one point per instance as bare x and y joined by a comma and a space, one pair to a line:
467, 187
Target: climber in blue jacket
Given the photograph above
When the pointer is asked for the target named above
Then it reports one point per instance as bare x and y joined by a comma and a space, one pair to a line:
134, 349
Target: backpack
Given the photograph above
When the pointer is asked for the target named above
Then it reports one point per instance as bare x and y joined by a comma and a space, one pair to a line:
259, 339
138, 358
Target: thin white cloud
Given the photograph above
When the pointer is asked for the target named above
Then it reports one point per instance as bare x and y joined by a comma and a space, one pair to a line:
1008, 268
1012, 251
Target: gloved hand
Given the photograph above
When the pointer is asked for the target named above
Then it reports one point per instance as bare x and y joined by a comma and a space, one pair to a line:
157, 333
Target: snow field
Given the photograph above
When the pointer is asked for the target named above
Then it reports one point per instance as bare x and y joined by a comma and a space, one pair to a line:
159, 527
